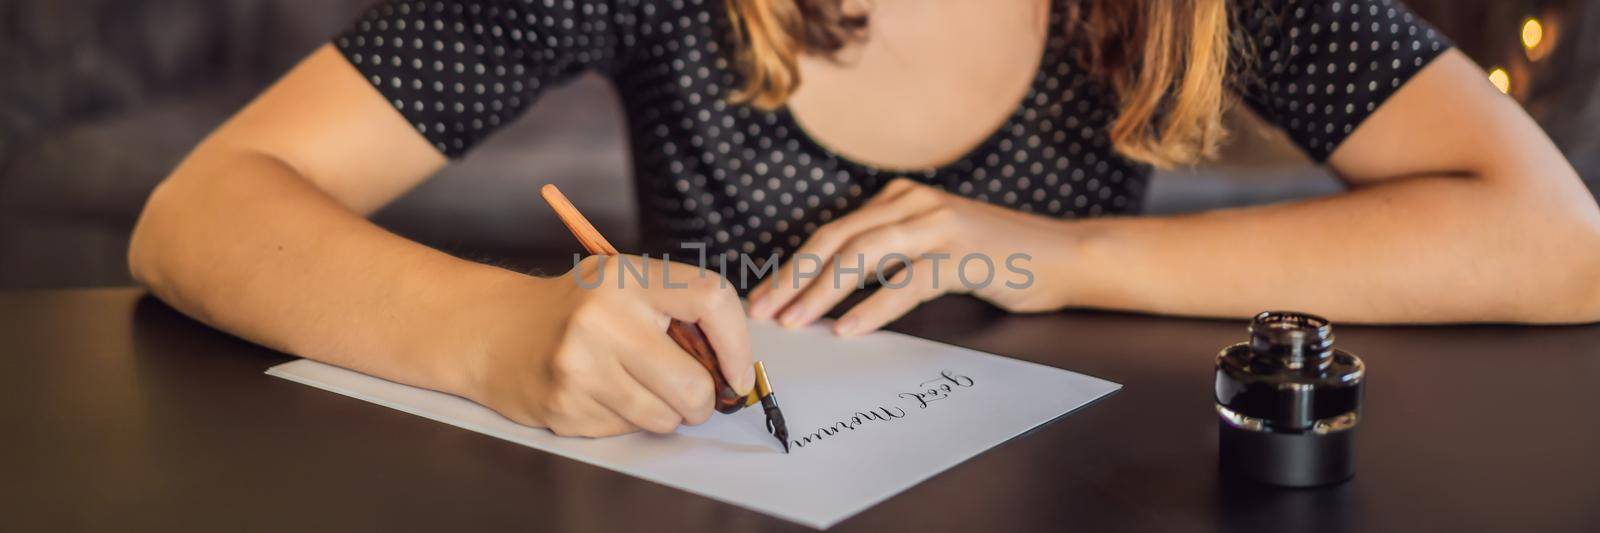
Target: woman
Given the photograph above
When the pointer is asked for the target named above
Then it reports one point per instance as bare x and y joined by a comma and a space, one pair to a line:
859, 130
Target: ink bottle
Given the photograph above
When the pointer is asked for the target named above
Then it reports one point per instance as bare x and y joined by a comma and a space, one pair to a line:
1288, 403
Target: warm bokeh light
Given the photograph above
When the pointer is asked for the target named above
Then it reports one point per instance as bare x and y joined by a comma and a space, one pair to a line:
1500, 79
1532, 33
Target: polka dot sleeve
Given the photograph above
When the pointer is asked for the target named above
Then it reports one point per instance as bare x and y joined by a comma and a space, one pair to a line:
1322, 67
459, 69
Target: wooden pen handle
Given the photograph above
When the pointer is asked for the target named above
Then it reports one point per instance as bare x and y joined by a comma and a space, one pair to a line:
688, 336
580, 227
693, 340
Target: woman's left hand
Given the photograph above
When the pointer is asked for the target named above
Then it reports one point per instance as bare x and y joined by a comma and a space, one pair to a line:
941, 243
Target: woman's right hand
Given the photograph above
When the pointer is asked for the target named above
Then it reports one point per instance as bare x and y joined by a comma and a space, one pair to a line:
304, 272
593, 361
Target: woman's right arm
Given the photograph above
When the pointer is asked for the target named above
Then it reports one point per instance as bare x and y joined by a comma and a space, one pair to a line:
260, 232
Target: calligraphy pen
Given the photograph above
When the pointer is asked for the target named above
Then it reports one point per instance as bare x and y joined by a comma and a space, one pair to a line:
688, 336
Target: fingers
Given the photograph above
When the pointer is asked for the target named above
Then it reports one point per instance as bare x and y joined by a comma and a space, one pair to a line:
706, 301
617, 371
900, 201
894, 203
876, 249
573, 414
638, 404
666, 373
633, 371
903, 292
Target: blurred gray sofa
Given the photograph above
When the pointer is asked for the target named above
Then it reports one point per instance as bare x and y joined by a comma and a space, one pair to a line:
103, 98
99, 99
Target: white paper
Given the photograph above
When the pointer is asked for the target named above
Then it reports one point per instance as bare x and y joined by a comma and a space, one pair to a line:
821, 381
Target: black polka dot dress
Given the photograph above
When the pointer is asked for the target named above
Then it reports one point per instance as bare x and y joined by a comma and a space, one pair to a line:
746, 181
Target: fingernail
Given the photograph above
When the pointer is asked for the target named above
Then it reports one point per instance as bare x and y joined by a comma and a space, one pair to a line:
846, 326
791, 317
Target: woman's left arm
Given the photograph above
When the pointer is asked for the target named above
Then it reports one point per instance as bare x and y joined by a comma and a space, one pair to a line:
1460, 210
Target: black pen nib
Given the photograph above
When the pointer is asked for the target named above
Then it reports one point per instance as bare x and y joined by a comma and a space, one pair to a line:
769, 403
775, 424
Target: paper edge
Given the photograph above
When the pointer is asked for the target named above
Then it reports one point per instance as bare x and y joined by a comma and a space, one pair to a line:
614, 468
1114, 387
986, 449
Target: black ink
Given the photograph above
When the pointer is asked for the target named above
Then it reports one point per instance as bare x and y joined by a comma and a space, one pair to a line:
934, 389
881, 414
938, 388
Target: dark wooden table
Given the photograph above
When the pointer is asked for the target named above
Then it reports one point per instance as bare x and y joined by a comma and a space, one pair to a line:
118, 413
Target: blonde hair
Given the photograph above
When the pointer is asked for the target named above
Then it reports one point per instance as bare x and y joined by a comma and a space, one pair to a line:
1165, 60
